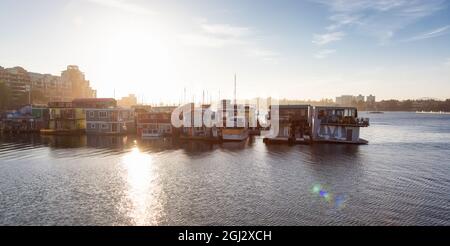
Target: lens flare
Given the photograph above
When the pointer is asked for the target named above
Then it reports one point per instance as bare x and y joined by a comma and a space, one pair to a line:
337, 201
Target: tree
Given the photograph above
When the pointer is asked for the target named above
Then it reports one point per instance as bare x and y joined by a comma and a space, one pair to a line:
5, 96
37, 97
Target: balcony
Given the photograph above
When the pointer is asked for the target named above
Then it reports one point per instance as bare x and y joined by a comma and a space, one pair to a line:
344, 121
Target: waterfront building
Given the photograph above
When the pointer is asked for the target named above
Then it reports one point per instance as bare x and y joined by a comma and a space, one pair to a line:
337, 124
30, 118
156, 122
199, 131
233, 126
70, 85
65, 118
104, 117
294, 123
109, 121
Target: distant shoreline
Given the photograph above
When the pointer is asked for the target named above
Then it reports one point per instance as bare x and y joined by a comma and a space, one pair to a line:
411, 111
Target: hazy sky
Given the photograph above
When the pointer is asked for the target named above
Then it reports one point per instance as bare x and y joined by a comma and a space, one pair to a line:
296, 49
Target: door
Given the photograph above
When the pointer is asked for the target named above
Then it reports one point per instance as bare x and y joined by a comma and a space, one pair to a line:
349, 134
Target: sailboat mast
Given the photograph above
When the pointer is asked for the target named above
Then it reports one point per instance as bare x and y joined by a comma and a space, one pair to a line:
235, 100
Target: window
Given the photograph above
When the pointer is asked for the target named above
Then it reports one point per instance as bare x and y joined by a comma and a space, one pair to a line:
92, 125
103, 114
105, 126
91, 114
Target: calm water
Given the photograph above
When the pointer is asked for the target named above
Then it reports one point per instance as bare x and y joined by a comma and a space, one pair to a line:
401, 178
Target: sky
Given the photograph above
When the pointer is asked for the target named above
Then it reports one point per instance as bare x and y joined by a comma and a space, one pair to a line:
309, 49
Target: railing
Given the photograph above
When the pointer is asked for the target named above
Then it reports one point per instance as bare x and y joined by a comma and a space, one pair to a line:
346, 121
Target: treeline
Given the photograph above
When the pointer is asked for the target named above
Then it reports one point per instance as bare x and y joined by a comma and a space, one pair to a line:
385, 105
406, 105
8, 102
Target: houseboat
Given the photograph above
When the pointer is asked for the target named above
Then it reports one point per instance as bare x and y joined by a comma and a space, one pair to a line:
65, 119
109, 121
154, 123
337, 125
193, 126
233, 126
28, 119
104, 117
294, 124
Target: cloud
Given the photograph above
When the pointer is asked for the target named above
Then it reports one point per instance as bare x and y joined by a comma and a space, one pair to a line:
324, 53
123, 5
225, 30
341, 20
381, 19
264, 54
431, 34
223, 35
322, 39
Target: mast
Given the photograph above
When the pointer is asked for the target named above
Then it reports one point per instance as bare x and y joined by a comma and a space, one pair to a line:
235, 89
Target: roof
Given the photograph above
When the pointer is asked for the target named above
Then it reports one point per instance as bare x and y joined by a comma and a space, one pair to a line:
334, 107
293, 106
93, 100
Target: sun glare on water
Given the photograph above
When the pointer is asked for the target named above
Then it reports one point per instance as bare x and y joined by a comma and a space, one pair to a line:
142, 188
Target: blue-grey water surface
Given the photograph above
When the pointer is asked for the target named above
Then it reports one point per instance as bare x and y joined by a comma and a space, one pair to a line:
402, 177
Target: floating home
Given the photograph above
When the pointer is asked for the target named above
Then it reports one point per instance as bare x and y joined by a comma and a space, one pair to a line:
306, 124
233, 127
154, 122
104, 117
203, 132
294, 123
65, 118
109, 121
338, 125
30, 118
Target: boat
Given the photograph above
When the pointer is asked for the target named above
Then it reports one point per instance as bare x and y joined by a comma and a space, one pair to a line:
376, 112
234, 134
338, 125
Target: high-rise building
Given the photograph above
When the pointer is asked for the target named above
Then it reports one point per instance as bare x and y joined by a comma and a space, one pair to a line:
70, 85
74, 79
17, 79
370, 99
128, 101
345, 100
360, 98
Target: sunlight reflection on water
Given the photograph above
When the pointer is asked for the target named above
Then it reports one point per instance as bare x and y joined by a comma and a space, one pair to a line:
142, 187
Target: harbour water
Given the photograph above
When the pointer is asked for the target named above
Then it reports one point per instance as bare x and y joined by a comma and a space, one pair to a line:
402, 177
